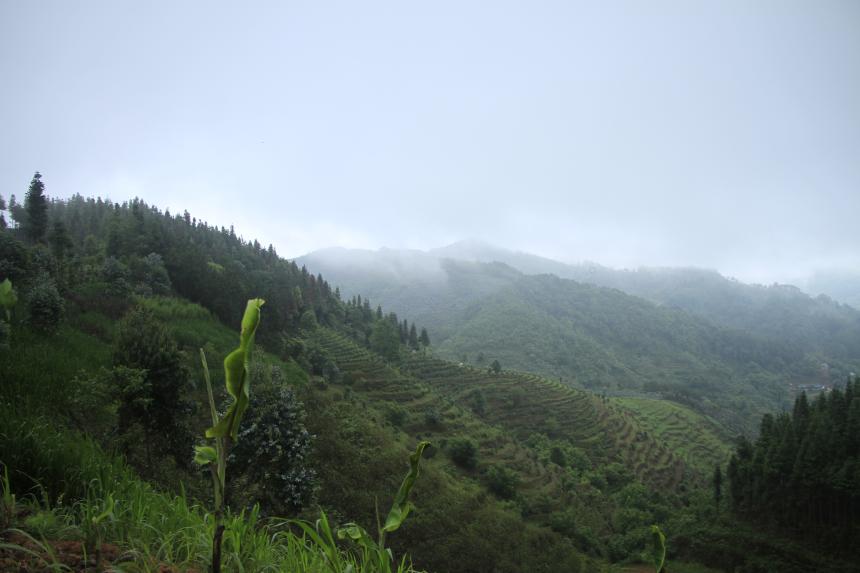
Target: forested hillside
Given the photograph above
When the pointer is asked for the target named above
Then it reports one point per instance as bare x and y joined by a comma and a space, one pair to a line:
606, 340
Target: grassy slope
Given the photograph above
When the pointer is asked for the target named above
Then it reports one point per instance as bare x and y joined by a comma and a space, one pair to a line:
360, 458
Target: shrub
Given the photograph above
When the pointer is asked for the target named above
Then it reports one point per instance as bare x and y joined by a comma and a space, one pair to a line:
13, 258
45, 305
395, 414
432, 417
272, 451
159, 402
464, 453
117, 277
502, 482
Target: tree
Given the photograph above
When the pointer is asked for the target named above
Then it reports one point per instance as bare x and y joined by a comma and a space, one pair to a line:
413, 337
424, 338
718, 485
36, 207
59, 240
495, 367
2, 214
385, 339
464, 453
45, 305
143, 343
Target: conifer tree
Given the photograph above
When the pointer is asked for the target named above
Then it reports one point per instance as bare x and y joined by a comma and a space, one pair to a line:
36, 206
413, 337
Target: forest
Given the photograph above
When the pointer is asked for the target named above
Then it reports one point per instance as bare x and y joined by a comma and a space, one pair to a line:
126, 446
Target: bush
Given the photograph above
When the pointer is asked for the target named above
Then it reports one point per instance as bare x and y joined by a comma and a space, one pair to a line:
13, 258
117, 277
395, 415
45, 306
272, 451
502, 482
464, 453
432, 417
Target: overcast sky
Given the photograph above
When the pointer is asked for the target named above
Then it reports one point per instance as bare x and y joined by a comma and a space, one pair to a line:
722, 134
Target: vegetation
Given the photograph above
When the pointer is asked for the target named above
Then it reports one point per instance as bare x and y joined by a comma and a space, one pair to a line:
526, 472
801, 474
726, 349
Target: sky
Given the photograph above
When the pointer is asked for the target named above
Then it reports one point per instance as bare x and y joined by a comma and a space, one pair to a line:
719, 134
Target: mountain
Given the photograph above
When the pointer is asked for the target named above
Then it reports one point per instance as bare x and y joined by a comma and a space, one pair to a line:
731, 350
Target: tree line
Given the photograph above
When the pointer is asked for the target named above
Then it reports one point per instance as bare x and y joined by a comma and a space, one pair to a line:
134, 248
802, 473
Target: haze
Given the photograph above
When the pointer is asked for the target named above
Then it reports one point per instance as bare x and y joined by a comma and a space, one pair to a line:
716, 134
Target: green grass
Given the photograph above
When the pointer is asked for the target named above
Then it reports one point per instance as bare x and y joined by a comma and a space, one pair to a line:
151, 527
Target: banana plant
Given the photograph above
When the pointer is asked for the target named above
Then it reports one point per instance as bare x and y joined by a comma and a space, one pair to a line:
8, 298
657, 549
225, 428
398, 513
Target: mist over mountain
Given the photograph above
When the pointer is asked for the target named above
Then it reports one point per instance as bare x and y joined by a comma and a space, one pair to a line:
732, 349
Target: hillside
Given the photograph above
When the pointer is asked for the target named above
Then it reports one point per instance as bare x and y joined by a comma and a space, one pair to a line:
128, 271
115, 309
587, 336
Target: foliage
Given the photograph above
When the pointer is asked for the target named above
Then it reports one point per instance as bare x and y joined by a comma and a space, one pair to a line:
803, 471
464, 453
45, 306
375, 551
158, 402
36, 207
8, 298
502, 481
13, 257
225, 428
272, 452
384, 339
117, 277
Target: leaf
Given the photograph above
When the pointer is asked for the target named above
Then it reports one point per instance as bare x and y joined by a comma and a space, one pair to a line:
8, 298
108, 511
402, 506
205, 455
236, 374
657, 551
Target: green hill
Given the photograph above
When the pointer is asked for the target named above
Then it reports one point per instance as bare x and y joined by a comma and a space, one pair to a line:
101, 400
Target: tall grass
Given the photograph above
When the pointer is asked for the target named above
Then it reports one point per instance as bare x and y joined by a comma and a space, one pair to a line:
153, 528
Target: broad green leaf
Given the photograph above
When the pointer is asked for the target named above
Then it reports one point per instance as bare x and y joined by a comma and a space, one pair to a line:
8, 298
204, 455
402, 506
356, 533
657, 550
236, 374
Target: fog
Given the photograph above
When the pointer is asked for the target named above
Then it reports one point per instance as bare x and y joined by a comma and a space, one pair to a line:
719, 134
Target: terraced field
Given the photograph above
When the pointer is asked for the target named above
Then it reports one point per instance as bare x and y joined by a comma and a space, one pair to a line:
700, 441
505, 409
378, 385
525, 403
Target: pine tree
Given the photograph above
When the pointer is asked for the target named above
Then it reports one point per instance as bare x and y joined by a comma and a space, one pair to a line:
36, 206
2, 214
424, 338
413, 337
59, 240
